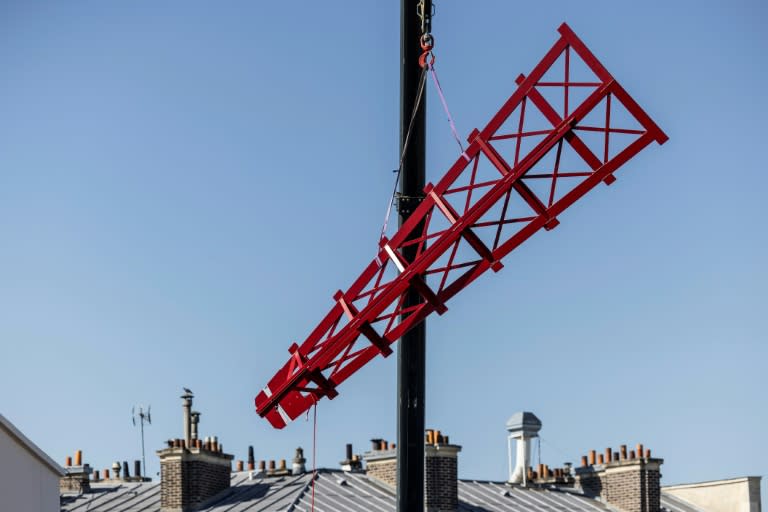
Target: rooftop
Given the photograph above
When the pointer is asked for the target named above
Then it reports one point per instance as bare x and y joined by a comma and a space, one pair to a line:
336, 490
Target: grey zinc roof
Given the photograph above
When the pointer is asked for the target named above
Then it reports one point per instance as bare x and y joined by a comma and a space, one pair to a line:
335, 491
675, 504
124, 497
481, 496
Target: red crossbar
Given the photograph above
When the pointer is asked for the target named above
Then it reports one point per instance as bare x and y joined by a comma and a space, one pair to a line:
567, 127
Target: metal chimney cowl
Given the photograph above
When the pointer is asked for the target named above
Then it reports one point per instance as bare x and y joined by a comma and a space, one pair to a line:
522, 427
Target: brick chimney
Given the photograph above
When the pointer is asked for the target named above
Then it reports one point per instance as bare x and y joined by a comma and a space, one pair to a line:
629, 481
192, 471
441, 478
381, 462
440, 470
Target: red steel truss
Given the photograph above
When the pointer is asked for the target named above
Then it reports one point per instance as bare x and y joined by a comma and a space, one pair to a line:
567, 127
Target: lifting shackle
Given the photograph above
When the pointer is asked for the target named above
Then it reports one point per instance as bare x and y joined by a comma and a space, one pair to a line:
427, 43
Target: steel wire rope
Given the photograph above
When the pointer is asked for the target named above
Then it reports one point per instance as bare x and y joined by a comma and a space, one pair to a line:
398, 171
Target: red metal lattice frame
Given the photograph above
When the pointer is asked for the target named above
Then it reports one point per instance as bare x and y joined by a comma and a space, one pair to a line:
471, 219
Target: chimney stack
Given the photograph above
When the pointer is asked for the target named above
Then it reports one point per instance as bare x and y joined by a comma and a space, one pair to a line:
381, 464
630, 481
440, 470
251, 460
522, 427
351, 461
77, 477
441, 474
191, 473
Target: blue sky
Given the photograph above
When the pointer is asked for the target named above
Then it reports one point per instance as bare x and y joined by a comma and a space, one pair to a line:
183, 188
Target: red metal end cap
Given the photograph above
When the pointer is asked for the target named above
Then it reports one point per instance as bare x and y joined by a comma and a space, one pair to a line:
272, 415
551, 224
608, 180
564, 28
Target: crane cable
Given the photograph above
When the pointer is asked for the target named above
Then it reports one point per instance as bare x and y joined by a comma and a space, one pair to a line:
426, 61
399, 170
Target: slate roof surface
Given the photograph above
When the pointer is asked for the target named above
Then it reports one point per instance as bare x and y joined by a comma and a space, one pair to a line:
335, 491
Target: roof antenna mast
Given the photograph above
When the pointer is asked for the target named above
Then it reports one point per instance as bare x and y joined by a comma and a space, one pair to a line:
142, 417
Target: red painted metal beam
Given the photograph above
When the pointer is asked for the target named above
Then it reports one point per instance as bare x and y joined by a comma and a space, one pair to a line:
484, 207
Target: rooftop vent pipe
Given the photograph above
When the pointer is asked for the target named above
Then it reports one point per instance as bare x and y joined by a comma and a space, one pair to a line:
251, 460
299, 462
522, 427
186, 406
195, 419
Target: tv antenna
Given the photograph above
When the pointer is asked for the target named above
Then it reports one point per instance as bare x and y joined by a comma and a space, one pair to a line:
142, 416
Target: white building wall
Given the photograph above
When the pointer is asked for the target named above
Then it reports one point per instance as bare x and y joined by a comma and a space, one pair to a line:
733, 495
26, 483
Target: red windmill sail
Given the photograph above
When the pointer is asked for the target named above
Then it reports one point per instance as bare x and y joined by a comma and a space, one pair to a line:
567, 127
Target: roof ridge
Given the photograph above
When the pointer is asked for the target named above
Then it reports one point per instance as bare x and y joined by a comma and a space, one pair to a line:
31, 447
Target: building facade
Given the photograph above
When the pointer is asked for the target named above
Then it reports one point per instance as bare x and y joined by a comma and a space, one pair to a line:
29, 479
